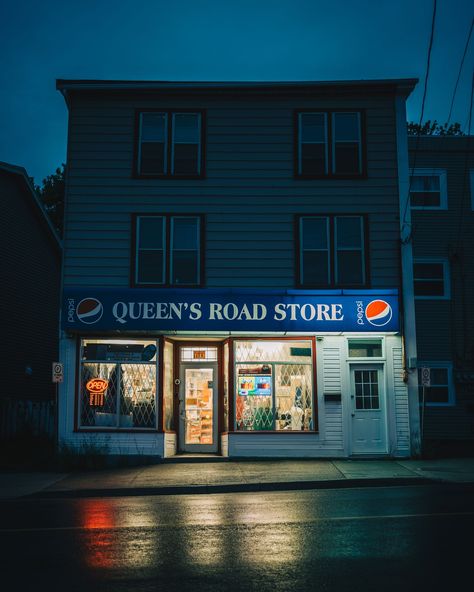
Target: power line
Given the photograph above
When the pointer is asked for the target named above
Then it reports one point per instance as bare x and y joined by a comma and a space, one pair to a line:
460, 70
428, 62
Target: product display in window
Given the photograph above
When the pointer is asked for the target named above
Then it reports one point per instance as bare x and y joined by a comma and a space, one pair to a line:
199, 405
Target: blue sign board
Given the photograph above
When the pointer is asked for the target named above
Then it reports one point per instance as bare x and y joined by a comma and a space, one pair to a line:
168, 310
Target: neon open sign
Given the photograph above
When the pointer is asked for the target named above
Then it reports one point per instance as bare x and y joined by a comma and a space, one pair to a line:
96, 388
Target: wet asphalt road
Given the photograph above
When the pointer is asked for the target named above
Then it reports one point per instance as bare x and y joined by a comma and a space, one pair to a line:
381, 539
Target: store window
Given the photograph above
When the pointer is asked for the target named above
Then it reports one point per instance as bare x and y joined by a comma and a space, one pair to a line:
169, 144
428, 189
332, 251
167, 251
329, 144
441, 389
274, 386
118, 384
431, 279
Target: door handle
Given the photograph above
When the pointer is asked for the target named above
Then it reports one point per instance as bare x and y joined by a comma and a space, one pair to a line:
353, 414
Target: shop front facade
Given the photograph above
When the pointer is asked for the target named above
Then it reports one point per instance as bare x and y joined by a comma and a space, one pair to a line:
233, 280
241, 374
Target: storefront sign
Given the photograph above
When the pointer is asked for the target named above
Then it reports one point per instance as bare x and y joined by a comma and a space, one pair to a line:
96, 388
164, 310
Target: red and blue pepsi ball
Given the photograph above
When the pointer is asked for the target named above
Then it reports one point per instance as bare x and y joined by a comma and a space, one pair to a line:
89, 311
378, 313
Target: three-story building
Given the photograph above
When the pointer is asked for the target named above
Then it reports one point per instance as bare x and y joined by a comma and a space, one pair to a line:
232, 270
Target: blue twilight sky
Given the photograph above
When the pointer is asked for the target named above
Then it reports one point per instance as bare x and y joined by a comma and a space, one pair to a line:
216, 40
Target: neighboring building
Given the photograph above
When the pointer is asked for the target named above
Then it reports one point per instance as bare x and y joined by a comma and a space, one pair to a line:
231, 278
30, 274
442, 233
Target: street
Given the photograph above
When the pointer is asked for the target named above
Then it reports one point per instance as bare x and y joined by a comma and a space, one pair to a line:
391, 538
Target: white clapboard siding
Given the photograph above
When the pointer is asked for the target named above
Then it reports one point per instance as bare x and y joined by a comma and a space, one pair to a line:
333, 422
400, 393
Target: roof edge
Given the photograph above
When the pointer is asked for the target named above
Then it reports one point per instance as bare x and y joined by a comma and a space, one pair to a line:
18, 170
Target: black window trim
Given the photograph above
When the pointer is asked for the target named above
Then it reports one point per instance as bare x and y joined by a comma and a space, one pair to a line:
332, 251
330, 144
136, 174
168, 216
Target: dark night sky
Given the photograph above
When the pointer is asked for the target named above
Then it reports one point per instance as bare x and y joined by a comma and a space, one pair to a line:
216, 40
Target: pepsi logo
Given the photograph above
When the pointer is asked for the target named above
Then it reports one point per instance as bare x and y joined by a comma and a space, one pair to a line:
378, 313
89, 311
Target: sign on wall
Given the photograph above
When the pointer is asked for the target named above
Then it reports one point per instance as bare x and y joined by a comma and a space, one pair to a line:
165, 310
57, 372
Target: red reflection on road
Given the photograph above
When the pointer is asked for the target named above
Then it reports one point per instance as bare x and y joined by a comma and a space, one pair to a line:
98, 516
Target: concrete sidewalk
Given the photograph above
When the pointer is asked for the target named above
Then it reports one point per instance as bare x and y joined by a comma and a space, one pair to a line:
233, 476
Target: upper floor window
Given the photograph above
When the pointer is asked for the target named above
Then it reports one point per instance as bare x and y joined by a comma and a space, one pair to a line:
329, 144
332, 251
428, 189
431, 279
169, 144
168, 251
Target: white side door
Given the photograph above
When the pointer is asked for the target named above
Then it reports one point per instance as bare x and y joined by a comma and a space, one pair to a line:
368, 409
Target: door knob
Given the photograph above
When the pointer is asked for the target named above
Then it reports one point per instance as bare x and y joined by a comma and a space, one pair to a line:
353, 414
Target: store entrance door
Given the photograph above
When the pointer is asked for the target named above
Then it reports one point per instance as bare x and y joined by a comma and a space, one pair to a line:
198, 407
368, 410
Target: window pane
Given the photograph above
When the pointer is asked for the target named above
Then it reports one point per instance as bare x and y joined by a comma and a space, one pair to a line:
349, 268
185, 233
313, 127
186, 159
137, 396
346, 127
313, 159
152, 159
293, 395
186, 128
348, 232
150, 230
315, 268
153, 128
439, 376
428, 271
346, 157
150, 267
185, 267
429, 288
434, 394
425, 183
425, 200
365, 349
254, 402
314, 233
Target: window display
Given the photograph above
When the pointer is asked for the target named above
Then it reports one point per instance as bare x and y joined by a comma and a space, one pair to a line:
118, 384
276, 393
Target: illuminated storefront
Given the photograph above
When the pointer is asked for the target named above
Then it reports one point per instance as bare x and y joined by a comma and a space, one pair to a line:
235, 373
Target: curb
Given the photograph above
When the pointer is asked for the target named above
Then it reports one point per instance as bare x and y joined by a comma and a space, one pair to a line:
230, 488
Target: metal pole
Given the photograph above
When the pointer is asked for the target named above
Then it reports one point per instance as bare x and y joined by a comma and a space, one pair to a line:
423, 418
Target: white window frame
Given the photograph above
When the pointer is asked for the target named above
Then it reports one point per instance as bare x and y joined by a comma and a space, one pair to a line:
446, 278
300, 139
303, 250
174, 142
334, 141
165, 155
443, 187
174, 249
451, 390
163, 250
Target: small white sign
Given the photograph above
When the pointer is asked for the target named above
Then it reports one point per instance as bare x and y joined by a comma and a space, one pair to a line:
425, 377
58, 372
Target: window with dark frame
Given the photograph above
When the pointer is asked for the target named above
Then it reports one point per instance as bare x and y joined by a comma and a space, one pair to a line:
167, 250
332, 251
329, 144
169, 144
430, 279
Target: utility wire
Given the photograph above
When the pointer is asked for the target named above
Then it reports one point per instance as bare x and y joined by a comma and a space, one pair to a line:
460, 70
428, 62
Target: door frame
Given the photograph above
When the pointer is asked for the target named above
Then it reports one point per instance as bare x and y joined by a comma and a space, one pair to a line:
381, 369
178, 344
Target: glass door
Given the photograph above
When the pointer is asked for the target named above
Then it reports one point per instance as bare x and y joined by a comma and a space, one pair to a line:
198, 407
